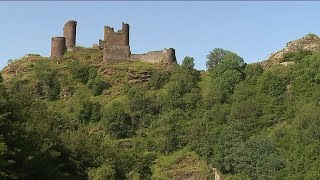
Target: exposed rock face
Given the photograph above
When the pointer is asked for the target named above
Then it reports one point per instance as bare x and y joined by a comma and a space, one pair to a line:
309, 42
138, 77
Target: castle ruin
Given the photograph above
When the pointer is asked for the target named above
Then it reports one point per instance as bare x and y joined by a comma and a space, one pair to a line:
58, 47
69, 32
114, 46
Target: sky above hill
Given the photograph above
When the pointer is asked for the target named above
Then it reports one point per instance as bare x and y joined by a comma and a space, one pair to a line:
253, 30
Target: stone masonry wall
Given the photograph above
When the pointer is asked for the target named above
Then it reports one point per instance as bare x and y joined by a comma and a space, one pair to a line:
166, 56
69, 32
116, 53
58, 47
119, 38
115, 45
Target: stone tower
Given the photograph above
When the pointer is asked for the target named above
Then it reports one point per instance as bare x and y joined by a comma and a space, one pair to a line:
170, 55
58, 47
69, 32
115, 45
125, 31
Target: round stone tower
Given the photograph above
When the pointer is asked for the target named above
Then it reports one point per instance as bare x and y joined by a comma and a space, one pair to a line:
58, 47
69, 32
170, 55
125, 30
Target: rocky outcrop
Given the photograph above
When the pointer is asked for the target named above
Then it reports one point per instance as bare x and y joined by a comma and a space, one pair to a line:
138, 77
309, 42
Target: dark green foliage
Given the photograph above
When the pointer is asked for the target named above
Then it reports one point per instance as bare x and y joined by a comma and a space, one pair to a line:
253, 70
96, 83
90, 111
182, 91
118, 122
57, 122
166, 133
79, 71
142, 106
258, 158
4, 110
224, 76
272, 84
85, 109
159, 79
48, 79
217, 55
295, 56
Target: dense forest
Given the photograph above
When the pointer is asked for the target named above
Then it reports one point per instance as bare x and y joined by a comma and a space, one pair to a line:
83, 119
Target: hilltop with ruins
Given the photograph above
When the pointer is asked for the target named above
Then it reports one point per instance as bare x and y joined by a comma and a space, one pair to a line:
115, 46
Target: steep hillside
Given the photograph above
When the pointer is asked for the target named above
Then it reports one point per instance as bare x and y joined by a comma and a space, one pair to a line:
80, 118
116, 75
309, 43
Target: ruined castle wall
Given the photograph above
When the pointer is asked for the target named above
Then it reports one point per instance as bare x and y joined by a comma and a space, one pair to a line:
58, 47
108, 31
125, 31
102, 44
165, 56
115, 45
116, 53
119, 38
116, 39
69, 32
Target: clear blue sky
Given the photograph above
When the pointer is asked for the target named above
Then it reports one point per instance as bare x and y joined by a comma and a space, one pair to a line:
253, 30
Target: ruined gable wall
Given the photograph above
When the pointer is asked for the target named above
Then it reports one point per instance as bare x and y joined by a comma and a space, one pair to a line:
119, 38
115, 45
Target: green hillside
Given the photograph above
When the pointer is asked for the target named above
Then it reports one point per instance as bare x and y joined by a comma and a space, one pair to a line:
80, 118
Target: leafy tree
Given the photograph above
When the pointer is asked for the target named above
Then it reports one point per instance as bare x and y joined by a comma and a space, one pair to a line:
96, 83
85, 109
258, 158
159, 78
188, 63
253, 70
101, 173
224, 76
166, 133
142, 106
217, 55
272, 84
3, 163
118, 122
79, 71
296, 56
3, 125
183, 83
48, 82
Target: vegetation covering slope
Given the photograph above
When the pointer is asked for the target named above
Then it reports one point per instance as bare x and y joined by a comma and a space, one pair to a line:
83, 119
